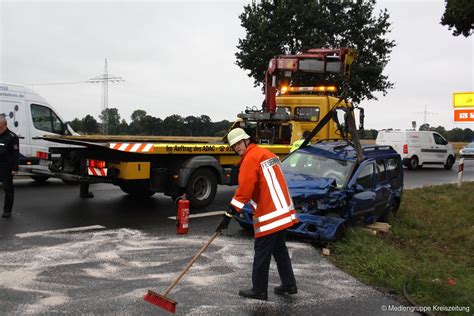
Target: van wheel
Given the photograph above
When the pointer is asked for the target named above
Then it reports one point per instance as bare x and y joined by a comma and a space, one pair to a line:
137, 189
413, 163
40, 179
201, 188
449, 163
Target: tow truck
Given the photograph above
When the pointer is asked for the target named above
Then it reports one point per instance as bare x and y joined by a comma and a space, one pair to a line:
144, 165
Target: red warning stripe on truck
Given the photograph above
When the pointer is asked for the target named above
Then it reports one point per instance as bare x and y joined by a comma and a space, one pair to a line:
101, 172
133, 147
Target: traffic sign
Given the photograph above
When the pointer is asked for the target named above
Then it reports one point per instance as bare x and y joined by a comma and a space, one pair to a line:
463, 99
463, 115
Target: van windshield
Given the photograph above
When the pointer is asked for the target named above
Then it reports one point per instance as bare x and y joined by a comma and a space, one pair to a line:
318, 166
45, 119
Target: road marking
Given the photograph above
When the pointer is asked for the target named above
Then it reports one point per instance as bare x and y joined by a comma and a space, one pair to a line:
201, 215
66, 230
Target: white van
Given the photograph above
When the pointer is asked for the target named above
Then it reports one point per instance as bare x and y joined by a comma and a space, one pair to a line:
418, 148
30, 116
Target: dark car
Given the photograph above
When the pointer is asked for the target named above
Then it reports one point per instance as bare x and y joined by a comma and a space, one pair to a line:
467, 151
331, 190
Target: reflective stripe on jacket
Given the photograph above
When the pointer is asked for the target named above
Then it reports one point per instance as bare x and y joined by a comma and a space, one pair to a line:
261, 183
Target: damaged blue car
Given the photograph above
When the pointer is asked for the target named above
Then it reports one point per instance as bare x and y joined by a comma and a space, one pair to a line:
331, 189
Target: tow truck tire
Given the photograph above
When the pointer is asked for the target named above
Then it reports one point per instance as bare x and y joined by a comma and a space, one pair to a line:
137, 189
201, 188
40, 179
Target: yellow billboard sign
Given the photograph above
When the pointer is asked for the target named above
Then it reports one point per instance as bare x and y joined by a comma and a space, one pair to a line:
463, 99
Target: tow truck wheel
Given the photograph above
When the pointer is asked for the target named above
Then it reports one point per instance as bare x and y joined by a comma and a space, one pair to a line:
201, 188
137, 189
40, 179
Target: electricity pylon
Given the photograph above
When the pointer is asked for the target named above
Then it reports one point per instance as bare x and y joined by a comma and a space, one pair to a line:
105, 78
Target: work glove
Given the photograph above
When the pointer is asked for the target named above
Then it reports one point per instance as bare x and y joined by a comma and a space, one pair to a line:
226, 219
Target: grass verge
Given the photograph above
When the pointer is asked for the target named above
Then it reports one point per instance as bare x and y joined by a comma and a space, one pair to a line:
430, 244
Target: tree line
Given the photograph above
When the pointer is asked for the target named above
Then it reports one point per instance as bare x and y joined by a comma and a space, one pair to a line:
110, 122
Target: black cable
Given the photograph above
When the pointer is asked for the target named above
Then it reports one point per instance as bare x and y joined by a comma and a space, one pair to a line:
411, 301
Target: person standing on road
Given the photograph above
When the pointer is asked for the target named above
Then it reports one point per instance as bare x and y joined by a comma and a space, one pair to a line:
9, 154
261, 183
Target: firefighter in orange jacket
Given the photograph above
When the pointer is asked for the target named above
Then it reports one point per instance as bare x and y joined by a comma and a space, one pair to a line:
261, 183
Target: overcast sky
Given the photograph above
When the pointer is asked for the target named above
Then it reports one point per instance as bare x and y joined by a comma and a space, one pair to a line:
178, 58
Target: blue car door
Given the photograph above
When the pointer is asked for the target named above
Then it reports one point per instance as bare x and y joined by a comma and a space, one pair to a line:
382, 188
363, 202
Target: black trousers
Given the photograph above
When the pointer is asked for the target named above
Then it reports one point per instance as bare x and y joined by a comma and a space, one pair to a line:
266, 246
7, 178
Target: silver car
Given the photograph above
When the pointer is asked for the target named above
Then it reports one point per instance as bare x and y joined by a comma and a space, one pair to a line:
467, 151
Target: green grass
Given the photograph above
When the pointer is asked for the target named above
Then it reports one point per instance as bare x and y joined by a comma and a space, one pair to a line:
431, 241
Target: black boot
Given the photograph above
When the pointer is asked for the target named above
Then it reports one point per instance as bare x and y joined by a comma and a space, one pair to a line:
7, 214
286, 289
250, 293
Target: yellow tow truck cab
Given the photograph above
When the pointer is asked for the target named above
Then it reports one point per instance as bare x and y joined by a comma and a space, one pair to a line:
306, 111
295, 113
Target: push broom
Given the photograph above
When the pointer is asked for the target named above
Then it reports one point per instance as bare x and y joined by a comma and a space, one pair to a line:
161, 300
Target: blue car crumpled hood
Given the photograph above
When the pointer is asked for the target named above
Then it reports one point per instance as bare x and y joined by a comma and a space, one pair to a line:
306, 186
305, 191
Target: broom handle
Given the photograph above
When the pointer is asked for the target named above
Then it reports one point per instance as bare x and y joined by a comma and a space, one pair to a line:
191, 263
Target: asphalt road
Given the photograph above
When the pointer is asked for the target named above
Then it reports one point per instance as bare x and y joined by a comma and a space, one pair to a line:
435, 175
131, 246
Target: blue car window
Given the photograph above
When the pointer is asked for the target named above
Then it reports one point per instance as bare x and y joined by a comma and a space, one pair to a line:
366, 177
381, 174
393, 167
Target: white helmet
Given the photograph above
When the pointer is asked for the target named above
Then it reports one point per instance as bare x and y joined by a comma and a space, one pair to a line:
236, 135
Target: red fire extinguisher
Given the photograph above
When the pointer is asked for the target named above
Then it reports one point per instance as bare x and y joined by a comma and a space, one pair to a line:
183, 215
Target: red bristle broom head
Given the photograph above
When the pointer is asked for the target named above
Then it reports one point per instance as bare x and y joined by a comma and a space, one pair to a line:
160, 301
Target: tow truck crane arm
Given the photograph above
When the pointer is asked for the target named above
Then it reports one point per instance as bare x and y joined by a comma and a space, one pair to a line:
314, 61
